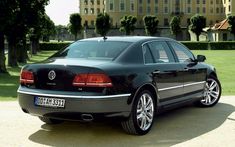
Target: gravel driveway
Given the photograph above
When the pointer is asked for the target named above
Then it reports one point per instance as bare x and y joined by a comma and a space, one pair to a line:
189, 126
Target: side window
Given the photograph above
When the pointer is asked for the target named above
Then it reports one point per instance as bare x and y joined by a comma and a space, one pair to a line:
183, 54
161, 52
147, 55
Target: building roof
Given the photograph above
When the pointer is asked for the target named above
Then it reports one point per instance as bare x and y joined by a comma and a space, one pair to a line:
223, 25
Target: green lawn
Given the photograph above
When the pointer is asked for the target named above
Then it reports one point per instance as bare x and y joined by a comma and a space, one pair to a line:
10, 82
224, 61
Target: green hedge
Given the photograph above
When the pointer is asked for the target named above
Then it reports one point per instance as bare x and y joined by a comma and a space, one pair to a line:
196, 45
225, 45
53, 45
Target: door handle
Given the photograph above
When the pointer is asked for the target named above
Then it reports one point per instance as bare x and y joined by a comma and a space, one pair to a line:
156, 72
186, 69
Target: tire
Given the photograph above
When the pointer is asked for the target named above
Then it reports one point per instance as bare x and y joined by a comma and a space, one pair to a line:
144, 108
212, 93
48, 120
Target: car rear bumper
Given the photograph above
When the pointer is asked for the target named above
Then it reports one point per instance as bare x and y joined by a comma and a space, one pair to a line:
76, 106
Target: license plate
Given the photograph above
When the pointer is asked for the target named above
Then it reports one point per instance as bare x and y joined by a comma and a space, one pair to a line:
49, 102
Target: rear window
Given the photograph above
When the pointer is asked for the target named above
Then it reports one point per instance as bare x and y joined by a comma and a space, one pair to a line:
94, 50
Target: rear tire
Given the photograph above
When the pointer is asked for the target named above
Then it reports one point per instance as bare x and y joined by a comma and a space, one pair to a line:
141, 118
48, 120
212, 93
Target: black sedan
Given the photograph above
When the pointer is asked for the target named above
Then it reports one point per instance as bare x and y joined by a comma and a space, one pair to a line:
129, 78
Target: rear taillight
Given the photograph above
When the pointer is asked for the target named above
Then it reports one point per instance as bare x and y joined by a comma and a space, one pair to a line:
26, 77
92, 80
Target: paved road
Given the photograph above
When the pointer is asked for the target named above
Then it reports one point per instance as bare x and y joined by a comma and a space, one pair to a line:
188, 126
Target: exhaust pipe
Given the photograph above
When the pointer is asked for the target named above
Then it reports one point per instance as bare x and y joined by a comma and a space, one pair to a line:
87, 117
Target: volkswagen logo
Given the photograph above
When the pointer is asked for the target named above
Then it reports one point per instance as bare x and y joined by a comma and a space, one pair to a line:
51, 75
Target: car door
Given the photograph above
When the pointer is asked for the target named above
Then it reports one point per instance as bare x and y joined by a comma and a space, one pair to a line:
165, 71
194, 73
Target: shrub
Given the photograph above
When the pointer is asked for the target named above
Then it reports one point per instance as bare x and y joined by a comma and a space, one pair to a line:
223, 45
196, 45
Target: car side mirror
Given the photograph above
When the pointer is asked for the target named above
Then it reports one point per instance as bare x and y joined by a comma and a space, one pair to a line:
201, 58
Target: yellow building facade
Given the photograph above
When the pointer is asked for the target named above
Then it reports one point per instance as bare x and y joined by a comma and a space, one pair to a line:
89, 9
213, 10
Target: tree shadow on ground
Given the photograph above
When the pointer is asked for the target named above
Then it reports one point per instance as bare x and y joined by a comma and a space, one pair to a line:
170, 128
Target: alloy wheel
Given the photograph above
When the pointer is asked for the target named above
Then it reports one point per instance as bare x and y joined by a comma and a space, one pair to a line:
145, 111
211, 93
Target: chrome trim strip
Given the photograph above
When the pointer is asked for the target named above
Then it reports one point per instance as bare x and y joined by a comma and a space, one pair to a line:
73, 96
181, 86
169, 88
196, 83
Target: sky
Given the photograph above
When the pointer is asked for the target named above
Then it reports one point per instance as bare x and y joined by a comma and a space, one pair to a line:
60, 10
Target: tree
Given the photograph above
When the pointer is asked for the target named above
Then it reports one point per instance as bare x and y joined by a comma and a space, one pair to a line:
60, 32
6, 13
102, 24
48, 28
197, 23
175, 25
36, 25
128, 24
151, 25
231, 21
26, 15
75, 25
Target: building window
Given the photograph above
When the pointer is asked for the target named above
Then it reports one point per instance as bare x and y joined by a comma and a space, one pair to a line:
189, 9
177, 9
211, 2
92, 23
221, 10
204, 2
148, 10
217, 1
198, 10
166, 1
211, 10
98, 10
92, 2
211, 22
140, 10
111, 3
86, 2
198, 1
229, 8
98, 2
148, 1
217, 10
140, 1
92, 11
132, 6
156, 10
177, 2
225, 37
156, 1
204, 10
166, 23
122, 5
166, 10
86, 11
189, 1
188, 21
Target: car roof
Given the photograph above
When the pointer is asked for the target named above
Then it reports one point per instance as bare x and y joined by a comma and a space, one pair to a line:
127, 38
